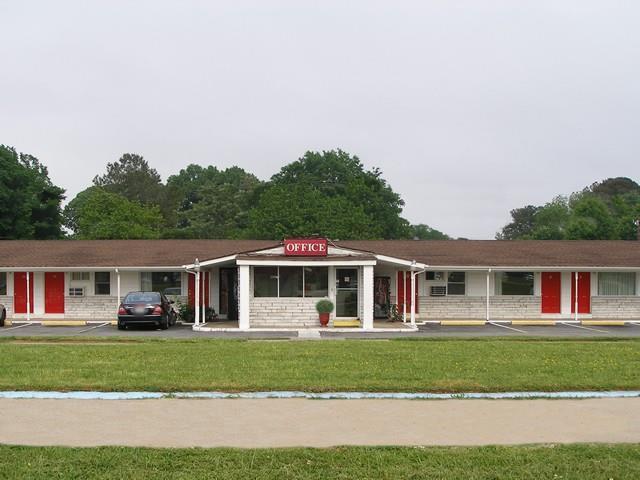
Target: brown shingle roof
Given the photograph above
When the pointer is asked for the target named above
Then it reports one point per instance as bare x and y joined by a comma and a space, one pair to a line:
436, 253
505, 253
119, 253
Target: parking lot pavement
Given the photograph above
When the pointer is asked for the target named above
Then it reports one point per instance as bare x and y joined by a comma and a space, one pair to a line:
425, 331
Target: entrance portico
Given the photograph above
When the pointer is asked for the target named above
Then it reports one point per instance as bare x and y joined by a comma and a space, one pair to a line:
278, 288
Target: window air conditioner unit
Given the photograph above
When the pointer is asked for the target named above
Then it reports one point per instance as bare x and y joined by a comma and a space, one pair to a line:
438, 290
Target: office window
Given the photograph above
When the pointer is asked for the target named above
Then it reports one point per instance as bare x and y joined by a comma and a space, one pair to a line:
616, 283
290, 281
102, 283
316, 281
80, 276
265, 282
514, 283
456, 283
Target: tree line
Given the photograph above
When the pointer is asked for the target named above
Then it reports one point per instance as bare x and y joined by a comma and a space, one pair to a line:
327, 193
606, 210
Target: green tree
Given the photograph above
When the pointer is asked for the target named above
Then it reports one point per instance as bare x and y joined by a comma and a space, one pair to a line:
300, 210
30, 205
328, 193
425, 232
220, 208
605, 210
133, 178
522, 223
104, 215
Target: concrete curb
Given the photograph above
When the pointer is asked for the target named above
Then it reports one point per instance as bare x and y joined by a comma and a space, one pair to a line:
79, 395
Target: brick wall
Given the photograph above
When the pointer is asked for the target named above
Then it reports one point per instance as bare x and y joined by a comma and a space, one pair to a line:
615, 307
7, 301
507, 307
283, 312
91, 308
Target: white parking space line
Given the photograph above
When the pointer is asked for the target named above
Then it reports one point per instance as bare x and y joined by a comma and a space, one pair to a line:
584, 328
509, 328
92, 328
17, 326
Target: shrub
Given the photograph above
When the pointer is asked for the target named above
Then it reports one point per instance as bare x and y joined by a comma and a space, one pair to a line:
324, 306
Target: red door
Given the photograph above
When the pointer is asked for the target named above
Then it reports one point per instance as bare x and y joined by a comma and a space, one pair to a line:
204, 283
20, 292
54, 292
405, 296
584, 292
551, 289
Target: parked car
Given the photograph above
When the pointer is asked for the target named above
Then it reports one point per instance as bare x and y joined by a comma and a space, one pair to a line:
146, 308
3, 315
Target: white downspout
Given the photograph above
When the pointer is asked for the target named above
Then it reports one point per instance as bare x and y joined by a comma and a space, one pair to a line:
404, 300
196, 295
488, 291
575, 300
28, 299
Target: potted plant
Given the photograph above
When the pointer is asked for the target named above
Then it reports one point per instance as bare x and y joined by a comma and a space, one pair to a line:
324, 308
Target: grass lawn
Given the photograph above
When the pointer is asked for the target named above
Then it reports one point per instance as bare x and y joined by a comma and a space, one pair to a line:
347, 365
523, 462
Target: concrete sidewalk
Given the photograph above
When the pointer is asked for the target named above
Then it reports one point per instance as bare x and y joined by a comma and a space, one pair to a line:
316, 423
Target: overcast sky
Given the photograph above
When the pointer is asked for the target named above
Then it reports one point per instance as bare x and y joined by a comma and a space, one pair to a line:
470, 108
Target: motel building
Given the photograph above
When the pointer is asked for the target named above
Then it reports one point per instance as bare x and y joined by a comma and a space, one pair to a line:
263, 284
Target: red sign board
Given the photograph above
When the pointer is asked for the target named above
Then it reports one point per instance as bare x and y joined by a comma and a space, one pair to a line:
305, 247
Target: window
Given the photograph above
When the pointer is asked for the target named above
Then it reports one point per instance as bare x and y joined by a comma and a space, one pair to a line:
3, 283
434, 275
455, 283
80, 276
76, 292
290, 281
616, 283
102, 283
167, 283
265, 282
514, 283
316, 281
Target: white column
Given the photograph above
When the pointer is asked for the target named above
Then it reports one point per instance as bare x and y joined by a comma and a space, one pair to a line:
413, 298
488, 292
404, 293
28, 299
118, 287
204, 296
196, 298
367, 297
244, 287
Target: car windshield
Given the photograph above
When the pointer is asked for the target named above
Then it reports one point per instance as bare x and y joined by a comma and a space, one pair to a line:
142, 297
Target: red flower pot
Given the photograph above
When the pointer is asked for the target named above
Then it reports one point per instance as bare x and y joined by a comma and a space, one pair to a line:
324, 319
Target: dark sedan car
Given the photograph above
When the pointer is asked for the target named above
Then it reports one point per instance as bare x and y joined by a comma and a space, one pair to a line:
146, 308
